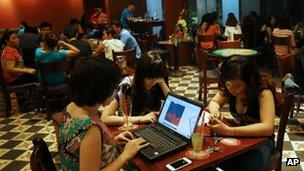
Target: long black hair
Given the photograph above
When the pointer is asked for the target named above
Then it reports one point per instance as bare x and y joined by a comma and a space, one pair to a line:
239, 67
149, 66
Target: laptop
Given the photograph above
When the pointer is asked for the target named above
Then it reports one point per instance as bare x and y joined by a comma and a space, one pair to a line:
172, 131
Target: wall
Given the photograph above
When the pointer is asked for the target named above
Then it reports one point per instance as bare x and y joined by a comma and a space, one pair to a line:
172, 8
35, 11
249, 5
230, 6
155, 7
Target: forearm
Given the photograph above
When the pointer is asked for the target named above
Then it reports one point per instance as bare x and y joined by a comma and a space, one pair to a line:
73, 50
164, 88
214, 108
19, 71
252, 130
117, 164
119, 120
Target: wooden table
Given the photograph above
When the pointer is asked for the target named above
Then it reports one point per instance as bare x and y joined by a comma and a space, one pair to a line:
215, 158
145, 25
175, 53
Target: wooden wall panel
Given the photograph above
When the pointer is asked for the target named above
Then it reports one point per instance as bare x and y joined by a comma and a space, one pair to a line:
172, 9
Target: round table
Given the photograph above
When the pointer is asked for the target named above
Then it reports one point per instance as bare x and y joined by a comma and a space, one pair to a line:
225, 53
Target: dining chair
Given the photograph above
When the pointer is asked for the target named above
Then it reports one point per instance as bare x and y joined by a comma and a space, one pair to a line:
125, 59
228, 44
25, 92
206, 76
54, 97
282, 61
275, 160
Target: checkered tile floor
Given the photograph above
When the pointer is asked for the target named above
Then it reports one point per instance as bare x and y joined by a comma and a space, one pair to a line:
17, 131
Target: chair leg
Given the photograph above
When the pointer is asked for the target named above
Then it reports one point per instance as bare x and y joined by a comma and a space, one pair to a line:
205, 94
7, 101
200, 91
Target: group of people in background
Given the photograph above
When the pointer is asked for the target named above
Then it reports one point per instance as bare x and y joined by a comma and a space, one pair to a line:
85, 142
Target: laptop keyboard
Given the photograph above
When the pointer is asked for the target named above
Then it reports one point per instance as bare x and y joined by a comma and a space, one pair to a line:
156, 139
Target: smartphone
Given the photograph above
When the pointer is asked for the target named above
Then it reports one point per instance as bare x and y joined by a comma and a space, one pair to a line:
178, 164
207, 117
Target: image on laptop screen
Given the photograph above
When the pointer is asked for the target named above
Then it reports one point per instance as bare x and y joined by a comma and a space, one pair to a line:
176, 113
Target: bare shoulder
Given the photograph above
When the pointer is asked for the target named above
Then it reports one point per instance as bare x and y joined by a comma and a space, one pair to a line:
266, 93
93, 134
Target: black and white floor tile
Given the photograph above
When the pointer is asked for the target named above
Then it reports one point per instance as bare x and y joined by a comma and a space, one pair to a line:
17, 131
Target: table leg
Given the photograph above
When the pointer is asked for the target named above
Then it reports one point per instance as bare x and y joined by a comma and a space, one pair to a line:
176, 71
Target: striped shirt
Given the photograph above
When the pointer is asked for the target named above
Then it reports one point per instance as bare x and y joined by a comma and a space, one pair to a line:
282, 49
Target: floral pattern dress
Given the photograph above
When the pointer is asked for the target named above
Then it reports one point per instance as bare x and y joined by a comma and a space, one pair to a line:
71, 133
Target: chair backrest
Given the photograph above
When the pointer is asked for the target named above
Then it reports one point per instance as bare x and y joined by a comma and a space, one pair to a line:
228, 44
238, 37
286, 110
41, 159
2, 82
204, 38
147, 42
51, 68
130, 56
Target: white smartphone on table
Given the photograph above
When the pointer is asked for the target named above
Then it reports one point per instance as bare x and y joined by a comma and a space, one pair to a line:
178, 164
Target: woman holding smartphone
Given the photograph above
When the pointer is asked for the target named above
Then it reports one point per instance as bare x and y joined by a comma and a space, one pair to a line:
251, 100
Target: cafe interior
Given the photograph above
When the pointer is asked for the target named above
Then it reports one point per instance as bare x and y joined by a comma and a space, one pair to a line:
152, 85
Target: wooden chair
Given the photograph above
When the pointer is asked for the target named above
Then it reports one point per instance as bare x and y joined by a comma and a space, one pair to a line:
228, 44
281, 61
51, 95
125, 60
148, 42
6, 90
41, 158
206, 76
275, 160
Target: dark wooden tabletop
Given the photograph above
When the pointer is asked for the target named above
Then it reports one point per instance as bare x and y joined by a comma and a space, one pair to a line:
215, 158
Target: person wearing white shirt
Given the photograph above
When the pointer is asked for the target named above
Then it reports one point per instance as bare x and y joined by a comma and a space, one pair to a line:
232, 26
109, 43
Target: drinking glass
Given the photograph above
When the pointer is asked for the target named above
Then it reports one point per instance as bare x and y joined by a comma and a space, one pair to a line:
126, 109
197, 138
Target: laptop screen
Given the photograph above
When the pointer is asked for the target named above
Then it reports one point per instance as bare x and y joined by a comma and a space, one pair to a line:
176, 113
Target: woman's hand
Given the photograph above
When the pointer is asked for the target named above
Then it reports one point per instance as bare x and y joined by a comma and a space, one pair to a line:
150, 117
133, 146
31, 71
220, 127
214, 112
123, 138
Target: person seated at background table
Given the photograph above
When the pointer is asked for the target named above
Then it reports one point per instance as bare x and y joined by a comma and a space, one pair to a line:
284, 30
44, 28
126, 38
127, 15
149, 87
251, 98
14, 72
109, 43
208, 27
232, 26
271, 24
50, 53
71, 35
85, 143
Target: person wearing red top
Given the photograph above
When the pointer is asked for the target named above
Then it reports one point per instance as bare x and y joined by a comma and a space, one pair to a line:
208, 27
14, 72
12, 63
